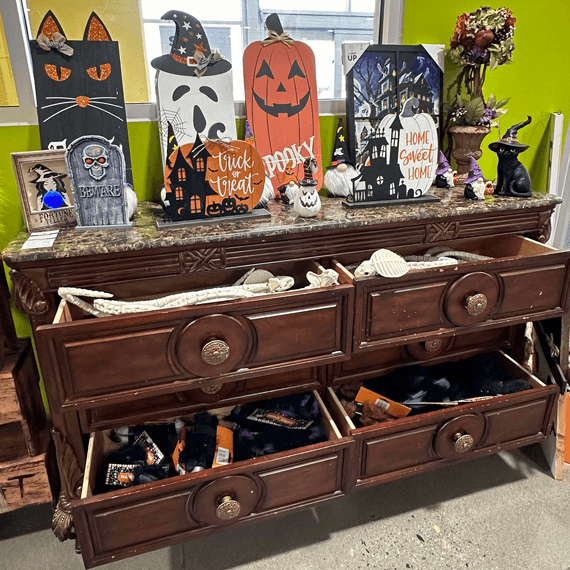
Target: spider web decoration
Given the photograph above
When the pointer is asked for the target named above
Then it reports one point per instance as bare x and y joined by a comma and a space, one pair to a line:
175, 120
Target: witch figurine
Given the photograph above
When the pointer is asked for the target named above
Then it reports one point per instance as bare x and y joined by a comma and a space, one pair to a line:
288, 185
339, 175
307, 203
445, 176
475, 182
513, 178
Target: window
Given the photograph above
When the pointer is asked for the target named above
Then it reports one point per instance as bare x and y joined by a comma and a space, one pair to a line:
8, 96
380, 180
179, 193
181, 175
200, 164
195, 206
392, 188
231, 25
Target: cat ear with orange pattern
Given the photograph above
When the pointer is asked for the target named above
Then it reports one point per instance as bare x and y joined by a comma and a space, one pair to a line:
50, 26
95, 31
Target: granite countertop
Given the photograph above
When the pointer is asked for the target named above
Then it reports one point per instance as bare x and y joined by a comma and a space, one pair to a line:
145, 235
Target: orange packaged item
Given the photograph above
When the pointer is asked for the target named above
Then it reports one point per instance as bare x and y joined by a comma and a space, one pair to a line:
224, 447
393, 408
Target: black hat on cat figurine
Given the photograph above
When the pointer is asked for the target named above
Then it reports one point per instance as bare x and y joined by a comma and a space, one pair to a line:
510, 139
190, 49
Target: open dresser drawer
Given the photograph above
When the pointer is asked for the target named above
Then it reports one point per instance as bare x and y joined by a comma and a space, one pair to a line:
130, 521
110, 360
523, 280
409, 445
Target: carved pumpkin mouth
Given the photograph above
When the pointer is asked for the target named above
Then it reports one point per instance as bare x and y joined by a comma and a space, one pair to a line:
278, 108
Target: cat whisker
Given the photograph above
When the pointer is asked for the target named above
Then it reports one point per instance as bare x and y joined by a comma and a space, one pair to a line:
97, 98
66, 109
105, 103
69, 98
55, 104
105, 111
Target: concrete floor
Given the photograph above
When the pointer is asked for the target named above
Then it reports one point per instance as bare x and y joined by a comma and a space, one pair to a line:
502, 512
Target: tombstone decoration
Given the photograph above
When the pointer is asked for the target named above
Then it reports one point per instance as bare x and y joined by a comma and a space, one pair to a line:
194, 87
475, 182
445, 176
513, 178
79, 86
97, 174
211, 180
281, 102
339, 175
393, 113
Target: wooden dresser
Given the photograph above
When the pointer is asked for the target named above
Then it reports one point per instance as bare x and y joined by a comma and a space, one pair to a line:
114, 371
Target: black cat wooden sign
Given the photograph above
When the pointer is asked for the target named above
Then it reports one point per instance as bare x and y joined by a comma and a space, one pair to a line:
79, 86
97, 174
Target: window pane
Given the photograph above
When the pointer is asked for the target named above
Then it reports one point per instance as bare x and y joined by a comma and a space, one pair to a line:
8, 97
211, 10
362, 6
300, 5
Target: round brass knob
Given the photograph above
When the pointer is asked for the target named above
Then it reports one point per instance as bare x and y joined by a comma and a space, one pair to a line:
476, 304
228, 508
433, 345
215, 352
463, 442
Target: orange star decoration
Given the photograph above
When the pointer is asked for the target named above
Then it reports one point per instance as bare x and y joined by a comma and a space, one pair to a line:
185, 39
200, 47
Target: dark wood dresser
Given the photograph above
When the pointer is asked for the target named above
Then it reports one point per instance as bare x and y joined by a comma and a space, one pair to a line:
131, 369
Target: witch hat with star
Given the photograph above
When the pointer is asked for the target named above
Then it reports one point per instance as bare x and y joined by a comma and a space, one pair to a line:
189, 41
340, 152
474, 172
442, 164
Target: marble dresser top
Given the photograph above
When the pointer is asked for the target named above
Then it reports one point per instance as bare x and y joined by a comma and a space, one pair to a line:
145, 235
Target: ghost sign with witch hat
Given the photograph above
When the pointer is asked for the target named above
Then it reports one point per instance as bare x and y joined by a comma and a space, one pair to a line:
281, 102
193, 86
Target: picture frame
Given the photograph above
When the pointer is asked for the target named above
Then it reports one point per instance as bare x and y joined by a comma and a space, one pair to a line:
45, 189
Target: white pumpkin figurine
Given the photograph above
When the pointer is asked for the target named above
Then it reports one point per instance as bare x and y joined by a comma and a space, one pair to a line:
339, 175
308, 203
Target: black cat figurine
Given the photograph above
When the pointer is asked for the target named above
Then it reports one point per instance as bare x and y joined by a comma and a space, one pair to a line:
513, 178
79, 86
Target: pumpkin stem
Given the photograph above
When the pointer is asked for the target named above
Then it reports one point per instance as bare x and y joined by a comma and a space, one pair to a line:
274, 23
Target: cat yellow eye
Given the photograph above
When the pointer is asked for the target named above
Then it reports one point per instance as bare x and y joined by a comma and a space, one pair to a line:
51, 71
105, 71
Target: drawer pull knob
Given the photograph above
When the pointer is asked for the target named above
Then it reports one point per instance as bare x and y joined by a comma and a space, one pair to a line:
215, 352
213, 389
463, 442
433, 345
228, 508
476, 304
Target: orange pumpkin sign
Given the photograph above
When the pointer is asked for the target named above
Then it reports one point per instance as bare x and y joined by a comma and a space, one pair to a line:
212, 179
281, 102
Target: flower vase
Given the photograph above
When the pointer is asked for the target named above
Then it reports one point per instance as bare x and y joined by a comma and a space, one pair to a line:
466, 144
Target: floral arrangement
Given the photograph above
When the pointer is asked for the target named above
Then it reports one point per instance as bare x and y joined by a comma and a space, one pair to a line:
482, 40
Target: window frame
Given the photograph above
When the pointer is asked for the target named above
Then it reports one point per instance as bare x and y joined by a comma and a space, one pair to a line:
16, 30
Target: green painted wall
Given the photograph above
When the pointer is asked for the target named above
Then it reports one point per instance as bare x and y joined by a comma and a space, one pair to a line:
536, 80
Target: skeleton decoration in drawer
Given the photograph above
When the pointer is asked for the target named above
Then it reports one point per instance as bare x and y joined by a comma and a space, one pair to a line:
194, 88
394, 111
97, 174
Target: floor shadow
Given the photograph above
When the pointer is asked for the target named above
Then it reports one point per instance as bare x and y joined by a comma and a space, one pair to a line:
25, 521
364, 506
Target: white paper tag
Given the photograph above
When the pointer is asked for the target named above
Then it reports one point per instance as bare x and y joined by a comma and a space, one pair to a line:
223, 456
40, 239
351, 52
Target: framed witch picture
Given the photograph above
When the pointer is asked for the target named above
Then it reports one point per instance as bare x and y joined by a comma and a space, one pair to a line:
45, 191
394, 113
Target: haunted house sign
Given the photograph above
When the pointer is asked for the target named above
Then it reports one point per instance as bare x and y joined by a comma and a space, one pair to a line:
393, 114
97, 174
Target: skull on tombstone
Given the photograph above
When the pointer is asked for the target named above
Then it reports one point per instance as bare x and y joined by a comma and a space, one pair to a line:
96, 160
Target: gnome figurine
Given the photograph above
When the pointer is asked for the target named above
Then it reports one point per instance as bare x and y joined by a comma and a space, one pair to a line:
194, 87
513, 178
288, 185
475, 182
339, 175
445, 176
307, 203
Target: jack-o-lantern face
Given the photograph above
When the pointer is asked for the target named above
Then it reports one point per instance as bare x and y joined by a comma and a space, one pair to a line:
281, 103
279, 92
